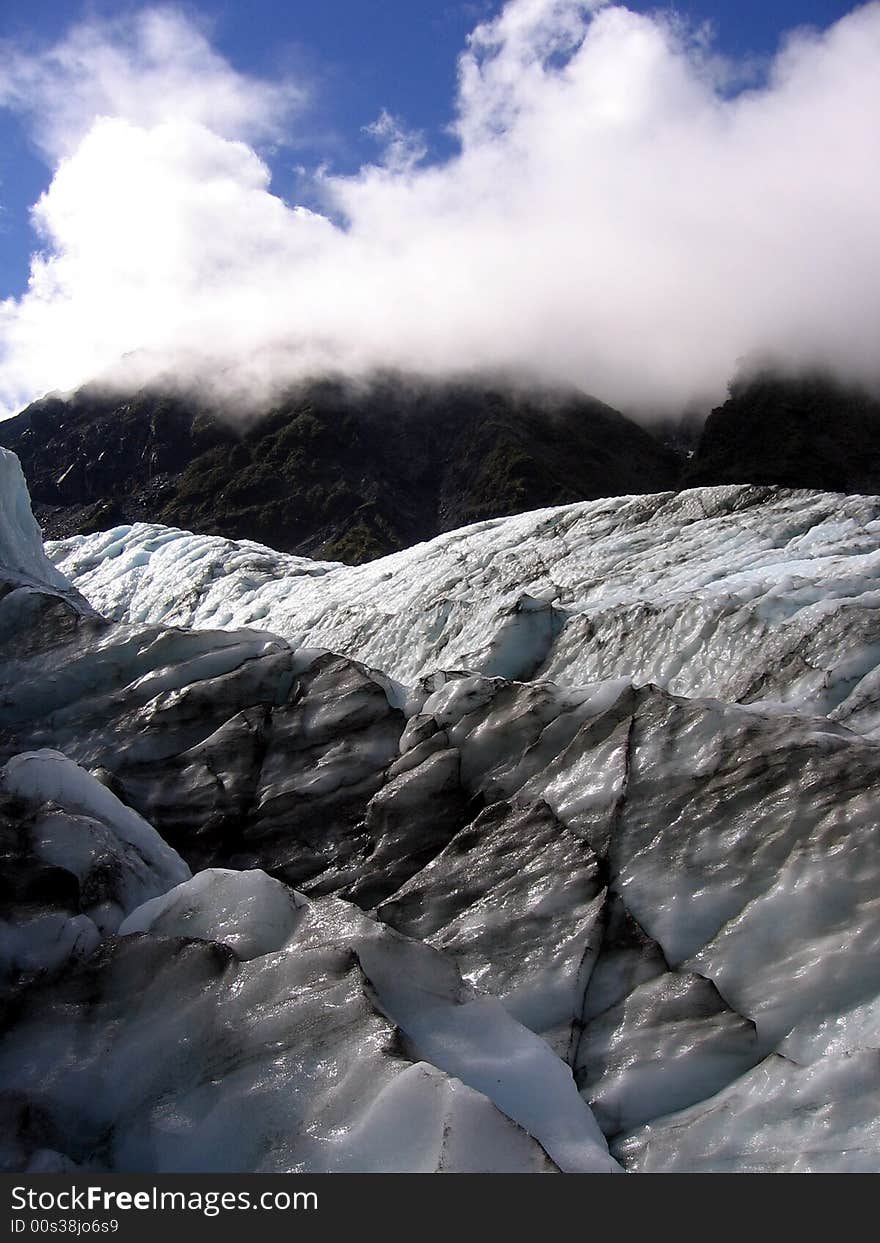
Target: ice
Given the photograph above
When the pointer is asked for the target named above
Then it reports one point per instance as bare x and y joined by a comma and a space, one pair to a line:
480, 1044
248, 911
470, 1036
146, 557
22, 557
744, 593
431, 1123
80, 860
42, 777
778, 1118
556, 830
516, 900
34, 947
671, 1042
167, 1054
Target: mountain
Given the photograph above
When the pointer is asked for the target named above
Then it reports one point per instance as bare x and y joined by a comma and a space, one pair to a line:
565, 858
333, 471
350, 473
806, 431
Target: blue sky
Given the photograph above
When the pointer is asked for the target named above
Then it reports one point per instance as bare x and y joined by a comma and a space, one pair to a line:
359, 56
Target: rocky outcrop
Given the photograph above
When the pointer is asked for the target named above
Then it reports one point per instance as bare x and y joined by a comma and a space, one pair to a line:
803, 431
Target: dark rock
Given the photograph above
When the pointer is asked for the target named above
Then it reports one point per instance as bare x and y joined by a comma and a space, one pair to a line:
802, 432
332, 471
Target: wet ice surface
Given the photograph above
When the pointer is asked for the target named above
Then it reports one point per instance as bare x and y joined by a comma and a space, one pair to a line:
613, 875
172, 1054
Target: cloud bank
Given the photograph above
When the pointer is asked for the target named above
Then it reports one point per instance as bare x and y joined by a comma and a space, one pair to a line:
615, 218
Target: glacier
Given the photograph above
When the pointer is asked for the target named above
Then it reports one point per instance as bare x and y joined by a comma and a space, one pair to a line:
743, 593
547, 846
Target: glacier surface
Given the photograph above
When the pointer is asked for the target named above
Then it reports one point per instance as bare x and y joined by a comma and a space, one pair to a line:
548, 846
758, 595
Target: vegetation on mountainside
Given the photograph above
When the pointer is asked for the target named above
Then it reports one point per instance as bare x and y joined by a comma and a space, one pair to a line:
332, 471
807, 431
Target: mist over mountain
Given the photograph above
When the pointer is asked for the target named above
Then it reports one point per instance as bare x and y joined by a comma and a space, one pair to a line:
334, 470
352, 472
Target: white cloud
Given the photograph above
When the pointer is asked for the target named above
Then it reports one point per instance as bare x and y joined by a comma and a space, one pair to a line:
154, 67
613, 219
403, 149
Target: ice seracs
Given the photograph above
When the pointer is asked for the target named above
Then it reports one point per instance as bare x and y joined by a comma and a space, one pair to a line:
549, 845
23, 557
